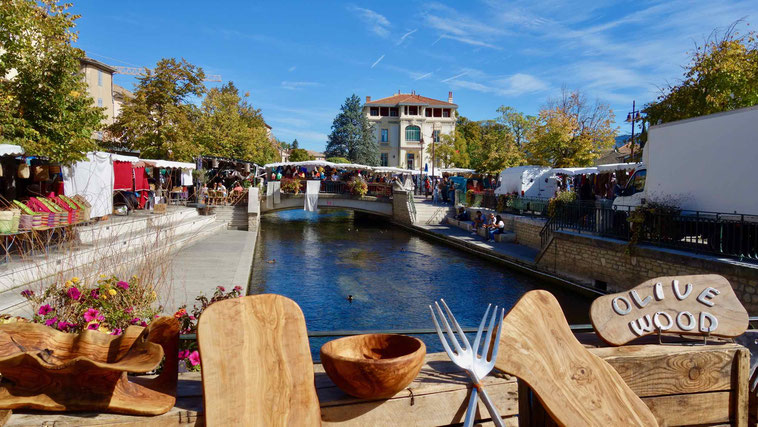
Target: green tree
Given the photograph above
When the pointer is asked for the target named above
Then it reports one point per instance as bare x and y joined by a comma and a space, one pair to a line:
516, 123
337, 160
299, 155
160, 121
352, 135
229, 127
44, 106
295, 144
570, 132
722, 75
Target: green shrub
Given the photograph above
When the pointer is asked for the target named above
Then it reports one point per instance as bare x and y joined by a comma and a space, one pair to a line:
562, 199
291, 186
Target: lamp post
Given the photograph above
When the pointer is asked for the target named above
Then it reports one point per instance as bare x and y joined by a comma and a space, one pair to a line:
632, 117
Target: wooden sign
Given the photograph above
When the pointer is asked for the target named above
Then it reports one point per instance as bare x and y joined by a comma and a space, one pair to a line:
695, 305
576, 387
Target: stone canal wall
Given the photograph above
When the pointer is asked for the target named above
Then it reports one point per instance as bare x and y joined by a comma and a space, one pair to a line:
606, 262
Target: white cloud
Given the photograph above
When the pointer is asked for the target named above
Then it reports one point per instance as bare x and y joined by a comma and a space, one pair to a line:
422, 76
299, 85
454, 77
453, 25
402, 39
514, 85
291, 69
377, 61
467, 40
376, 22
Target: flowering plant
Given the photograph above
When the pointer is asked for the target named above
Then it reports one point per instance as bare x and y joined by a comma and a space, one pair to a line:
289, 185
109, 305
188, 324
358, 187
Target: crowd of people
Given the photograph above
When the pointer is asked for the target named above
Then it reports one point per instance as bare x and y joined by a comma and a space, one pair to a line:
492, 223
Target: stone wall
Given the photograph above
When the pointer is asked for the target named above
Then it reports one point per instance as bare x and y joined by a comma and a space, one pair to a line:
590, 259
400, 210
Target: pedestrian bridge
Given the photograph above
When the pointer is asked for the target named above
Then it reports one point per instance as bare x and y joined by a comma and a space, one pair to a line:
375, 205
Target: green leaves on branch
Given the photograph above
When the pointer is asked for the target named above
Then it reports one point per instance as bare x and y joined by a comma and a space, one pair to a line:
299, 155
44, 106
722, 76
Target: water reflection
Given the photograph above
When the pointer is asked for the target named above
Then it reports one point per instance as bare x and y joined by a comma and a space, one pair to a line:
393, 275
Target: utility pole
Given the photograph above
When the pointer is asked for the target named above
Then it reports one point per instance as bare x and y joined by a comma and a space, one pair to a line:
632, 117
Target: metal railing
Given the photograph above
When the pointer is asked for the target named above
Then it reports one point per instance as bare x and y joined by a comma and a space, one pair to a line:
723, 234
487, 199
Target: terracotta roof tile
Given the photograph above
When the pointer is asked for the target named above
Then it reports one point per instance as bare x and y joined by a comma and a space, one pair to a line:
407, 98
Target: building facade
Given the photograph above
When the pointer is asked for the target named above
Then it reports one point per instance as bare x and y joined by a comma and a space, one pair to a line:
407, 124
99, 79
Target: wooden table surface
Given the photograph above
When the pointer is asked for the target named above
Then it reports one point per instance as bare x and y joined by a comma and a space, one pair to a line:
683, 385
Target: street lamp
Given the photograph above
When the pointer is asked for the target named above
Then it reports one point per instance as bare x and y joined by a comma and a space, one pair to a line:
632, 117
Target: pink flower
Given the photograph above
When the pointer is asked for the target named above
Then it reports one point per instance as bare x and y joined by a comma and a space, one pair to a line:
183, 354
222, 289
91, 314
44, 310
129, 310
135, 321
192, 317
123, 285
143, 324
194, 358
238, 288
74, 293
94, 294
93, 326
51, 321
27, 293
63, 325
117, 331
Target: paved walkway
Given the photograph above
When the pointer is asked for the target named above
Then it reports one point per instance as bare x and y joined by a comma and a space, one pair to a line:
522, 253
223, 259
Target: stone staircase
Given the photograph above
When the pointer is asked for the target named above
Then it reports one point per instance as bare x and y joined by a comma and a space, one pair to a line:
430, 214
113, 243
234, 216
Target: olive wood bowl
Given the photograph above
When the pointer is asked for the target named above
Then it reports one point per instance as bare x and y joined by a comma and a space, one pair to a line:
373, 366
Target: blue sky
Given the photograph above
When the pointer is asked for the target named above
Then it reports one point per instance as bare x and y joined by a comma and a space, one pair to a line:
300, 60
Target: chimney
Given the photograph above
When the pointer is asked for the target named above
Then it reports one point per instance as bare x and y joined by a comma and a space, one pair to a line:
398, 91
450, 97
368, 98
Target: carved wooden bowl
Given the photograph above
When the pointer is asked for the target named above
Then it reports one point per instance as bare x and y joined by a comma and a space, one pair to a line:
373, 366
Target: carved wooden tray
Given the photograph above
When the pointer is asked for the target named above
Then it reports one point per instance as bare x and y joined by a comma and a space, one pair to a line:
49, 370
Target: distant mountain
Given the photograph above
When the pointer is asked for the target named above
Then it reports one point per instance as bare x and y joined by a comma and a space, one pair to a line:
622, 139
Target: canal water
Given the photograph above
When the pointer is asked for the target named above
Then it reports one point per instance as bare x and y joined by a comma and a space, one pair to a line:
319, 258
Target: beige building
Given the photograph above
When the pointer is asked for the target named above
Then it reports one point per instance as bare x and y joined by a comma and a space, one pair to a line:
120, 95
406, 124
99, 79
317, 155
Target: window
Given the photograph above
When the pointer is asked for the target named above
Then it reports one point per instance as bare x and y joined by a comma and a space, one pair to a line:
428, 112
413, 110
409, 160
99, 78
374, 111
385, 135
638, 181
384, 111
384, 159
446, 112
393, 111
438, 112
436, 136
413, 133
99, 102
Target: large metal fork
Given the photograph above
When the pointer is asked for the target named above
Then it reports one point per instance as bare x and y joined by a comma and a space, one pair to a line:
466, 357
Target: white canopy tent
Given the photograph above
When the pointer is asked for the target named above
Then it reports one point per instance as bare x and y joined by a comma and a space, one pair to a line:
11, 150
615, 167
457, 170
575, 171
167, 164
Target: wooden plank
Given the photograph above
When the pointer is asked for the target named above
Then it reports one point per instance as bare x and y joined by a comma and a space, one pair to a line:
575, 386
433, 409
696, 304
654, 370
256, 363
741, 387
690, 409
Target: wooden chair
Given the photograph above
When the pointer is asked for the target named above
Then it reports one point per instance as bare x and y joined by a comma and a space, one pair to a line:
257, 367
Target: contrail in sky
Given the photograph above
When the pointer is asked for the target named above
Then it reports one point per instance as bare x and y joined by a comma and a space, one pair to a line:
454, 77
377, 61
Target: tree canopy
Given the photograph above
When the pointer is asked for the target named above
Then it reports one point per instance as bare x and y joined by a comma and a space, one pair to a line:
229, 127
722, 75
160, 120
570, 131
352, 135
337, 160
299, 155
44, 105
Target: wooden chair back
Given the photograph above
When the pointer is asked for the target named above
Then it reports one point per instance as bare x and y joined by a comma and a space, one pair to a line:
256, 363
